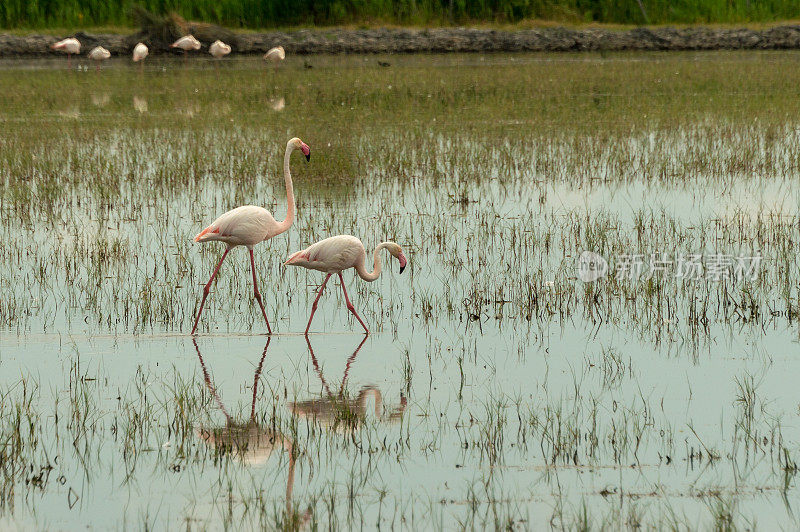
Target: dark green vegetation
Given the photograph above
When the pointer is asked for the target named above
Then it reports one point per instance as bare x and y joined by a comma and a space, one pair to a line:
272, 13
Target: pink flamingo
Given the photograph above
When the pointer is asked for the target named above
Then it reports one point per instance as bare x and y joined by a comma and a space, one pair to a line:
338, 253
219, 49
248, 225
71, 46
98, 54
186, 43
140, 51
275, 56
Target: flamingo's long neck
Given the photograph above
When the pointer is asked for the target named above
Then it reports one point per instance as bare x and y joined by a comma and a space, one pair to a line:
289, 220
376, 267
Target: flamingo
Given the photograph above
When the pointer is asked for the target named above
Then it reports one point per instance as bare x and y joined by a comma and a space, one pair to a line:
186, 43
275, 56
71, 46
248, 225
99, 54
219, 49
140, 51
338, 253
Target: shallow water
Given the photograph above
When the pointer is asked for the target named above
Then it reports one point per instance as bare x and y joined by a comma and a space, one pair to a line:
496, 389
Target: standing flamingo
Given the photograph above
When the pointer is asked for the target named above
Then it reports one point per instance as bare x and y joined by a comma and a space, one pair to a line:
140, 51
338, 253
219, 49
71, 46
186, 43
99, 54
275, 56
248, 225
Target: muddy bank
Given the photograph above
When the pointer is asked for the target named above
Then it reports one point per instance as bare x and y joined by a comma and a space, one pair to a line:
320, 41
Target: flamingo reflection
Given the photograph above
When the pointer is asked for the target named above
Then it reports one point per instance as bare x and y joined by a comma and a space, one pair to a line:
248, 442
340, 412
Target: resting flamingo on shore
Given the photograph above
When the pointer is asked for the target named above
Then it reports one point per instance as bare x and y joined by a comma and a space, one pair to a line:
275, 56
186, 43
249, 225
219, 49
140, 51
99, 54
338, 253
71, 46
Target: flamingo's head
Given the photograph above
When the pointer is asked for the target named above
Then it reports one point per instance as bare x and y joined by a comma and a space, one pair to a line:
298, 144
397, 252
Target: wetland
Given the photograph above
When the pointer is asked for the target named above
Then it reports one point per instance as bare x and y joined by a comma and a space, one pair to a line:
498, 389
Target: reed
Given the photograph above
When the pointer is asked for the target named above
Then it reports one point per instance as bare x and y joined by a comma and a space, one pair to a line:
273, 13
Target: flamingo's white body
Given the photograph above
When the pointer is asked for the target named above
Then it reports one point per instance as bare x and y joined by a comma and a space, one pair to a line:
248, 225
186, 43
99, 54
219, 49
338, 253
275, 55
140, 51
70, 46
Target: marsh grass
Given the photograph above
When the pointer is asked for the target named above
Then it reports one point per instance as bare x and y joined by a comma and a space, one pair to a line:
494, 173
533, 137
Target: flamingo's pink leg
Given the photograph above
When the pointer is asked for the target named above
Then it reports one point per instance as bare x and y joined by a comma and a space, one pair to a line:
350, 306
256, 293
314, 306
207, 289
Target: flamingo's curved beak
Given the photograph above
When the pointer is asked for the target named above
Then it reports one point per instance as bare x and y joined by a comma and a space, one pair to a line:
403, 262
306, 151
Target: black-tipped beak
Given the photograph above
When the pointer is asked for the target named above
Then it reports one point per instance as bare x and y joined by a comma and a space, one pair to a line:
308, 156
403, 267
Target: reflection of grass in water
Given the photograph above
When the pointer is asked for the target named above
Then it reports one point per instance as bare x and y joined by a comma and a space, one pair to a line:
580, 429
